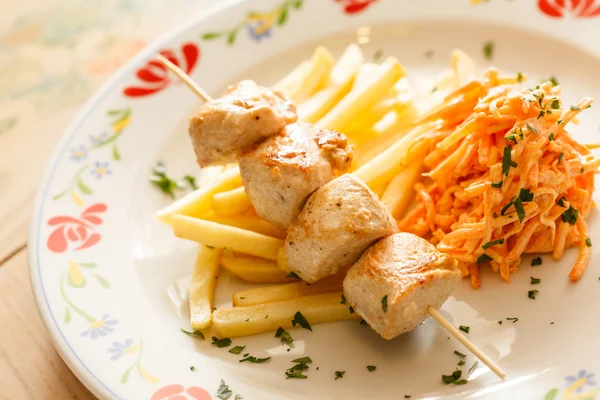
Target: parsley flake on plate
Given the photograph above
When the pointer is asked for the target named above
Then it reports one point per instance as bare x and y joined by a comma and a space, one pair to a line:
492, 243
339, 374
255, 360
464, 328
223, 392
197, 334
384, 304
371, 368
236, 349
535, 281
299, 319
225, 342
458, 353
532, 293
536, 261
284, 335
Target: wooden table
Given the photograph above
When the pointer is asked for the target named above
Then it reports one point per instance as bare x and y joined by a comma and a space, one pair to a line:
52, 50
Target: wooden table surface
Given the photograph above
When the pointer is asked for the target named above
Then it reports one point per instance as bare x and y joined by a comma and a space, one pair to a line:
53, 55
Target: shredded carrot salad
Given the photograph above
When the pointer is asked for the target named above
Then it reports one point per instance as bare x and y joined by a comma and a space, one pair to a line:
503, 178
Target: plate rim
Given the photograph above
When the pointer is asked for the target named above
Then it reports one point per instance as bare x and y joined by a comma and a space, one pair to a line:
59, 341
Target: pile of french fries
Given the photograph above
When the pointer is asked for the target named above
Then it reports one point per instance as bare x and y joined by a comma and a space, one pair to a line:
379, 110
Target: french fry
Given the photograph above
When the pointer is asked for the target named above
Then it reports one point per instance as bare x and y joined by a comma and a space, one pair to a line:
202, 287
288, 291
231, 202
308, 78
289, 83
253, 270
259, 318
363, 96
282, 261
247, 222
390, 162
365, 74
199, 201
224, 236
400, 191
338, 84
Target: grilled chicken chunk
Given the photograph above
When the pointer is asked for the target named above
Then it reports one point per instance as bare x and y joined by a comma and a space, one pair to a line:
395, 281
337, 223
248, 113
280, 173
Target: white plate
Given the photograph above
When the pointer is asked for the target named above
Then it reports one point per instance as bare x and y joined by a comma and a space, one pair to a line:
110, 281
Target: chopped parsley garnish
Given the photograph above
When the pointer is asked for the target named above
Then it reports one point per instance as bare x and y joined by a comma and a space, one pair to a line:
461, 363
295, 373
339, 374
520, 210
531, 128
570, 215
581, 171
488, 50
495, 214
293, 275
458, 353
519, 77
497, 185
192, 368
483, 258
223, 392
535, 281
560, 122
363, 322
473, 367
407, 396
513, 319
525, 195
588, 242
493, 243
536, 261
447, 379
305, 360
561, 202
500, 322
575, 108
551, 137
197, 334
384, 305
464, 328
343, 300
555, 104
561, 157
237, 349
371, 368
168, 185
507, 162
255, 360
531, 294
284, 335
300, 320
351, 310
225, 342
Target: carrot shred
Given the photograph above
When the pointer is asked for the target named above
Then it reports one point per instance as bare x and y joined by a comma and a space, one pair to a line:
504, 178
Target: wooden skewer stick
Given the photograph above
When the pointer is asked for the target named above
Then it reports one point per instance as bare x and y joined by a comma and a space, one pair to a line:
466, 342
185, 78
432, 311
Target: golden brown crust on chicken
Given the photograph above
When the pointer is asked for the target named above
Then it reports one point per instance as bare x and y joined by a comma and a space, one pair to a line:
280, 173
337, 223
248, 113
395, 281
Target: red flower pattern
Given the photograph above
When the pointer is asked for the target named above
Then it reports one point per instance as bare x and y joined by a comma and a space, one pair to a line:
178, 392
80, 231
154, 76
577, 8
355, 6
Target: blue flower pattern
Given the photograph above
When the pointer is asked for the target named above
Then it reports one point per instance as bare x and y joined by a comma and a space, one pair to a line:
101, 327
118, 349
583, 374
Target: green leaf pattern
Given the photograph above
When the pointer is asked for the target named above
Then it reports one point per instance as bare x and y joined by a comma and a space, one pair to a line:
258, 24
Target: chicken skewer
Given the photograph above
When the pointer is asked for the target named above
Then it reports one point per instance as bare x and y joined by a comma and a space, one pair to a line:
372, 236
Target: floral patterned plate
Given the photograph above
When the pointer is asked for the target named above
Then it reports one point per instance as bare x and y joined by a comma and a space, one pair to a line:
111, 282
